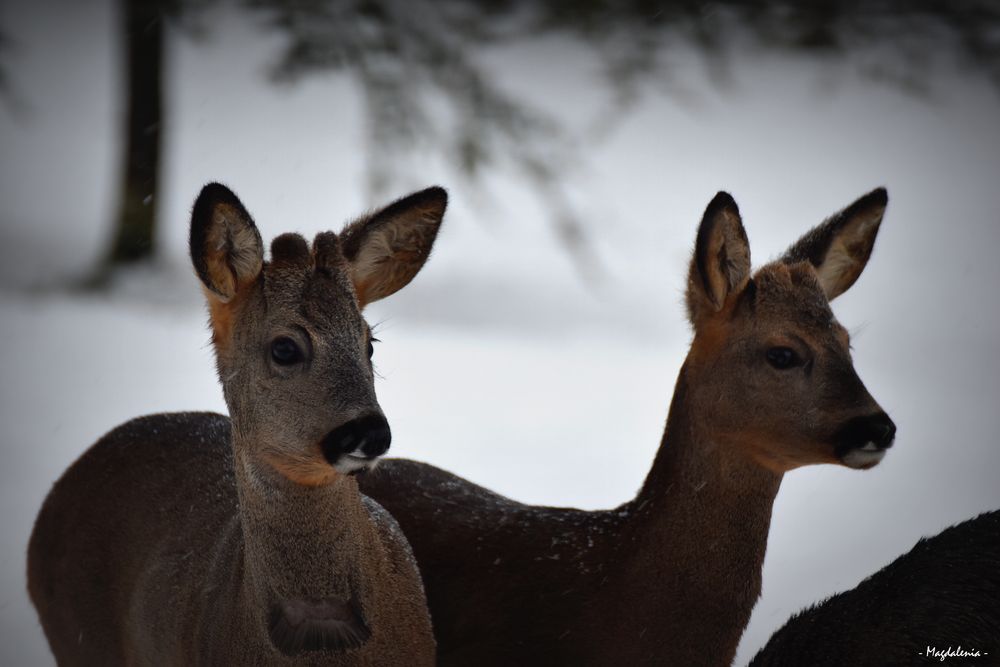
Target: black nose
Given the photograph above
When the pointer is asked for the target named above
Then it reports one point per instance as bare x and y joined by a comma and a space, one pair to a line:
366, 437
883, 430
876, 428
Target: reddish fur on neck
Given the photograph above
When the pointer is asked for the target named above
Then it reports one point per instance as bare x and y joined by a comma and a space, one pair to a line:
302, 470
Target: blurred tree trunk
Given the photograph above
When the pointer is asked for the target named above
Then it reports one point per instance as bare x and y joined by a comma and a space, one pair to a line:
135, 227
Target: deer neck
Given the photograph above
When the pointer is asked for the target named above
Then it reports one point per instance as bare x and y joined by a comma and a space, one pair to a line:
301, 543
694, 545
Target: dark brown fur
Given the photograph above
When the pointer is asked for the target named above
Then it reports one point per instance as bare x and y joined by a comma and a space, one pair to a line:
943, 594
670, 577
195, 539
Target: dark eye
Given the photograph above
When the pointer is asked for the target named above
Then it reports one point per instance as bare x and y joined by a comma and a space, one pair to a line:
285, 351
782, 357
371, 346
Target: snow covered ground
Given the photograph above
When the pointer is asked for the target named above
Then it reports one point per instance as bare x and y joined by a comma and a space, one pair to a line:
498, 362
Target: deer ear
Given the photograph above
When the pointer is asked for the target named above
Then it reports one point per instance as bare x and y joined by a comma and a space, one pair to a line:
720, 266
839, 248
226, 249
386, 249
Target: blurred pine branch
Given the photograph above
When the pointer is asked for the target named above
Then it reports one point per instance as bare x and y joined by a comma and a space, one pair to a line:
424, 89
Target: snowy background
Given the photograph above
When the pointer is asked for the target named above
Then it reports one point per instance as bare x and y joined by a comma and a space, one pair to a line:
498, 362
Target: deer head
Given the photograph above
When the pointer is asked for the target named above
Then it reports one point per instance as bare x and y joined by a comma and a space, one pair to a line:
769, 361
293, 351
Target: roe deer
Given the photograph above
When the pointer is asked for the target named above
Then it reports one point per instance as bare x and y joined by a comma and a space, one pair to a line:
943, 595
193, 538
670, 577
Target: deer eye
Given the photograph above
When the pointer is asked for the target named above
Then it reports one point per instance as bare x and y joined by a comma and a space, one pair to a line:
285, 351
371, 347
783, 357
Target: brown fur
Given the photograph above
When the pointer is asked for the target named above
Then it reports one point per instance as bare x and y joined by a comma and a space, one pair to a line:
942, 594
221, 316
670, 577
306, 468
189, 538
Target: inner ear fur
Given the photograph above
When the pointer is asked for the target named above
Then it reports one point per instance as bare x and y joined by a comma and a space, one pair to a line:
839, 248
386, 249
226, 248
720, 266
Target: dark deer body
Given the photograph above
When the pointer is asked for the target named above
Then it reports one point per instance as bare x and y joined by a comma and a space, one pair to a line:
670, 577
195, 539
943, 595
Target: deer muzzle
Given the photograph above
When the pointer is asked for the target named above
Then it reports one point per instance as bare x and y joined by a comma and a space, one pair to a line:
863, 441
356, 445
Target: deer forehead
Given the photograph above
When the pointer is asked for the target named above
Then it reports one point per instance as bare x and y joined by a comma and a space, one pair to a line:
322, 300
780, 300
791, 295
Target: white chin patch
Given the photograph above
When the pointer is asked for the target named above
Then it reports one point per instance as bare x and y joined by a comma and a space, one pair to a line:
349, 463
864, 457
